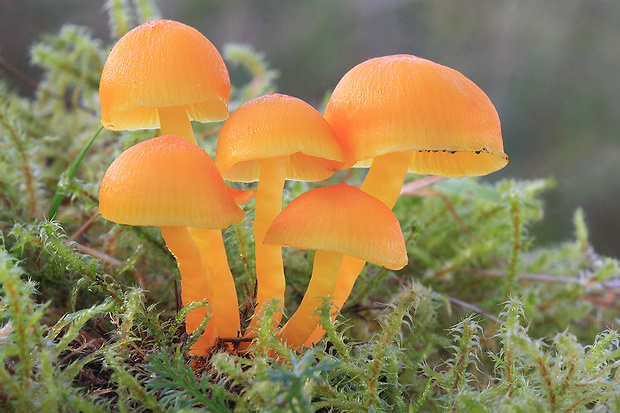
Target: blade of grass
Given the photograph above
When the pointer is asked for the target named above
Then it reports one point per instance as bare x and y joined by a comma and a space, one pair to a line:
70, 173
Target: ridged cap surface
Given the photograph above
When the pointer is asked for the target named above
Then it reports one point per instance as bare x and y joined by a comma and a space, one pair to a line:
405, 103
277, 125
162, 64
343, 219
167, 181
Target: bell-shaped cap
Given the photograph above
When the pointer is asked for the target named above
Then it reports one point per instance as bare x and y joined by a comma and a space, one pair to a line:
162, 64
272, 126
342, 219
405, 103
167, 181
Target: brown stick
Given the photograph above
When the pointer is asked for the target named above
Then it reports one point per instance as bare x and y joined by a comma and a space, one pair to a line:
84, 227
97, 254
452, 300
473, 308
412, 187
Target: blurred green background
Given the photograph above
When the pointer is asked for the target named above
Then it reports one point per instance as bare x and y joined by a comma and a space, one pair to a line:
550, 67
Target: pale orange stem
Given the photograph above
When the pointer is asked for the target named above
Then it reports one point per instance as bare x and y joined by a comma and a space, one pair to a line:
322, 284
195, 284
174, 120
269, 268
224, 303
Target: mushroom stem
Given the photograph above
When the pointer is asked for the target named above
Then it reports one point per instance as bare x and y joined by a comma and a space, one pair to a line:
269, 268
348, 272
386, 176
174, 120
322, 284
195, 284
383, 181
224, 303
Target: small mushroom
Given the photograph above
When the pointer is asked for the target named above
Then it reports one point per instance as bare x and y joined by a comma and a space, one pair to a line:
400, 114
336, 221
270, 139
162, 74
170, 183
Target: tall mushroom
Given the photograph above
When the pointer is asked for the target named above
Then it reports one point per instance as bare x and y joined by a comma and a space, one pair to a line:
164, 74
336, 221
270, 139
170, 183
403, 113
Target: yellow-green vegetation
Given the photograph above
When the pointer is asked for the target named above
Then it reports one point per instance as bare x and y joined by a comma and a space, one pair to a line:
481, 318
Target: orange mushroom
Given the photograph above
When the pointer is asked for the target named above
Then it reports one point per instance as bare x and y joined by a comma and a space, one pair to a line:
270, 139
402, 113
336, 221
163, 73
170, 183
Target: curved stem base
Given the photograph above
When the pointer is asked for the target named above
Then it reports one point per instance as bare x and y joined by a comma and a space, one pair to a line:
224, 302
322, 284
195, 284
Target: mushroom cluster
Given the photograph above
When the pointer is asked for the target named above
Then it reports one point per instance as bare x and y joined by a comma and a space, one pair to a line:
393, 114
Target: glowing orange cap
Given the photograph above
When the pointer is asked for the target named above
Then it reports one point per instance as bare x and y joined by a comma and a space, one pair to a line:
162, 64
405, 103
167, 181
277, 125
343, 219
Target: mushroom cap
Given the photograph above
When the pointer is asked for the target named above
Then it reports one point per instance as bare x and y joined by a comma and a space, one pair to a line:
162, 64
343, 219
277, 125
167, 181
406, 103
